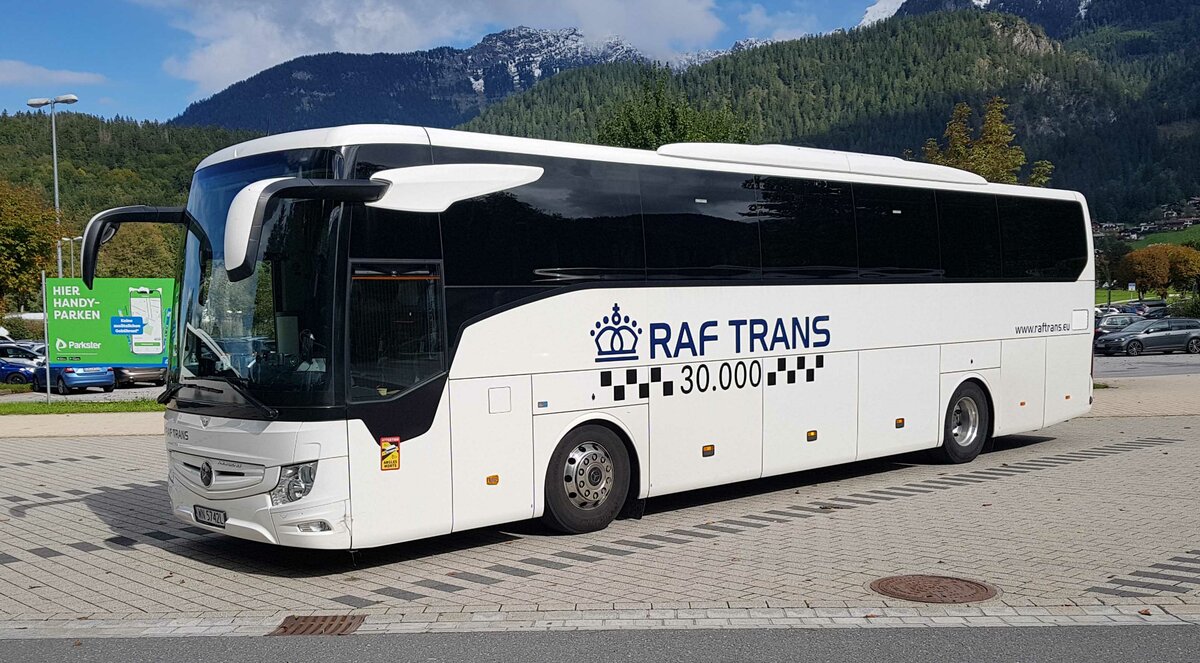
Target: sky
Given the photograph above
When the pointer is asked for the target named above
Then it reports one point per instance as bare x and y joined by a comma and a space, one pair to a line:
148, 59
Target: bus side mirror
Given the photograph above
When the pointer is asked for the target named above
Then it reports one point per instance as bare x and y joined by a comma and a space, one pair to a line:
103, 227
254, 203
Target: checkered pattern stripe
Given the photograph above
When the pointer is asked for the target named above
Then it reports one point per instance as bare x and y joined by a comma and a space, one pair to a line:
782, 372
635, 383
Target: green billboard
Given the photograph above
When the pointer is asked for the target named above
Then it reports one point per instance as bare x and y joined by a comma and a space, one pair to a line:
119, 322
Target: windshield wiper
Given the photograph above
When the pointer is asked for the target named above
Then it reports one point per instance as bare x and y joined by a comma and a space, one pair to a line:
174, 388
239, 385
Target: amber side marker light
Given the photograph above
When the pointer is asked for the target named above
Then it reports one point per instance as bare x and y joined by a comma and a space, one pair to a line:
708, 450
493, 480
812, 436
900, 422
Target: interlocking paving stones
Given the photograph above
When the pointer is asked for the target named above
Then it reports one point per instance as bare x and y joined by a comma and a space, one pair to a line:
438, 585
476, 578
545, 563
45, 552
1031, 501
397, 593
354, 601
511, 570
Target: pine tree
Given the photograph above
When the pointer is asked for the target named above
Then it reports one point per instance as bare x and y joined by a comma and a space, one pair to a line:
992, 154
660, 115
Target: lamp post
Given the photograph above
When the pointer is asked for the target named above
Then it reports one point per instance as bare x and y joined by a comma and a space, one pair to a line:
38, 103
72, 241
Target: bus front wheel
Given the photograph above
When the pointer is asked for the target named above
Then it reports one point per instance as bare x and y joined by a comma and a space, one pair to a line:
587, 480
967, 425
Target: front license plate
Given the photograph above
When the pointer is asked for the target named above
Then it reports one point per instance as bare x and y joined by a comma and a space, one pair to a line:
209, 516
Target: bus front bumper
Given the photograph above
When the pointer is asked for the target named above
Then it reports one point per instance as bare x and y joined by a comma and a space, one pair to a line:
300, 524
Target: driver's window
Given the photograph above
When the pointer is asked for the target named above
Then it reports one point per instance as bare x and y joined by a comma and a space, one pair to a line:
1154, 329
394, 328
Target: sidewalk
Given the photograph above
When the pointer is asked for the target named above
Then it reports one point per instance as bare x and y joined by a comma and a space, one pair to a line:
1157, 396
81, 425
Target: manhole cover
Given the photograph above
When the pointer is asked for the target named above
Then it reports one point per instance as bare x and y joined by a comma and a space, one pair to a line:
319, 625
933, 589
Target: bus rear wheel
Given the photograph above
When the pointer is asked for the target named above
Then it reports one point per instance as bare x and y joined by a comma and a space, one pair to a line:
587, 480
967, 424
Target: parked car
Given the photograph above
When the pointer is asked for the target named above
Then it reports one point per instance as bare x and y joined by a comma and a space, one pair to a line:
36, 346
66, 379
1111, 323
126, 376
16, 354
11, 373
1168, 336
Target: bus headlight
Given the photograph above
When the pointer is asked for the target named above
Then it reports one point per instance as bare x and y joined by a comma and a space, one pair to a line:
295, 481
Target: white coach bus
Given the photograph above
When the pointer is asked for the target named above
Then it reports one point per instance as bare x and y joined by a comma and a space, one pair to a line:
388, 332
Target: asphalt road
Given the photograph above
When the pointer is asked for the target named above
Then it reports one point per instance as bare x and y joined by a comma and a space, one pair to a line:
1146, 365
1099, 644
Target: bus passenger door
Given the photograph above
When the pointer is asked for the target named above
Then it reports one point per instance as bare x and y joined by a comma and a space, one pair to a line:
491, 442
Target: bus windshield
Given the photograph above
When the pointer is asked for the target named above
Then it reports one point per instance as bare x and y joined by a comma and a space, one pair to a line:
263, 341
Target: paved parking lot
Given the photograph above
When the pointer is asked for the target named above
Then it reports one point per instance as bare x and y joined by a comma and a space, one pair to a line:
1093, 521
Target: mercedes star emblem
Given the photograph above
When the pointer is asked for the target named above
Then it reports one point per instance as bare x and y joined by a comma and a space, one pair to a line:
206, 474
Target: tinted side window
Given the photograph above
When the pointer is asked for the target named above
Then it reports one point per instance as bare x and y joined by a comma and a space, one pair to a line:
897, 232
370, 159
579, 222
699, 224
970, 235
1042, 239
807, 228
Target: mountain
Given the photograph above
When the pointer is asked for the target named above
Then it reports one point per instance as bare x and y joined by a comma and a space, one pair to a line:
1057, 17
1116, 106
441, 87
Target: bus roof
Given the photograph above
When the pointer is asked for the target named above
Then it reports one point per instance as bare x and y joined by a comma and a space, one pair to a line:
781, 160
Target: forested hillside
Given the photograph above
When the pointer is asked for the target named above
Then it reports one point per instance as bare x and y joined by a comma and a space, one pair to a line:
1100, 107
108, 163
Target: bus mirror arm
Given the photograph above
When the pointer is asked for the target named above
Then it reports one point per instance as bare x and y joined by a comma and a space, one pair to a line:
428, 189
104, 226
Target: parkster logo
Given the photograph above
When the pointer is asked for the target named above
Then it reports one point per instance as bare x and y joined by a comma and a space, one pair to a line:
62, 346
616, 337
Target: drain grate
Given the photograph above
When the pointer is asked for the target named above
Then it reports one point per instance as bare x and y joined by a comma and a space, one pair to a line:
319, 625
933, 589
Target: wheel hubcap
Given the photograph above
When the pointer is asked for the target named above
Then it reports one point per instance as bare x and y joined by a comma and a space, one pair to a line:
588, 475
964, 421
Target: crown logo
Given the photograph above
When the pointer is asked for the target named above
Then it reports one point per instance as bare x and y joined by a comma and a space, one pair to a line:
616, 337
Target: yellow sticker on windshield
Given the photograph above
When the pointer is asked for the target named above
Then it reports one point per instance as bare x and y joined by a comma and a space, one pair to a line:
389, 453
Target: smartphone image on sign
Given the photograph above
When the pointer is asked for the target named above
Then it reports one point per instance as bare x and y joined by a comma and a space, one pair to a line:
147, 305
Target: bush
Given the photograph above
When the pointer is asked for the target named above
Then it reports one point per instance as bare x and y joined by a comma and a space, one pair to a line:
21, 330
1188, 308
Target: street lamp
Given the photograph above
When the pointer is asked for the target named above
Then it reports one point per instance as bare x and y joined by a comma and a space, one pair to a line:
38, 103
72, 241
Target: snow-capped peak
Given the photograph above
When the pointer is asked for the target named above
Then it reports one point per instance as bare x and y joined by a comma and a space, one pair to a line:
881, 10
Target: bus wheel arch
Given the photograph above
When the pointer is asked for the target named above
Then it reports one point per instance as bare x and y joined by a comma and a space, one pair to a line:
595, 454
969, 423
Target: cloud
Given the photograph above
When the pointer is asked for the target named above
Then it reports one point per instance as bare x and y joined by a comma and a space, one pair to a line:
786, 24
235, 39
15, 72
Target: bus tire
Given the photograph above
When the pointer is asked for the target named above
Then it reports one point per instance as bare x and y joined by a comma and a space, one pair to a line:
587, 480
968, 422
